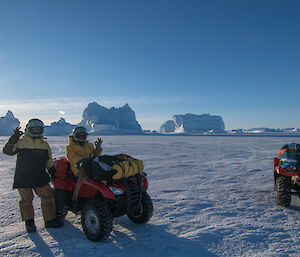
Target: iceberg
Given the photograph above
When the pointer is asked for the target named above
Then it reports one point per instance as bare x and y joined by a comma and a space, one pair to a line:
59, 128
8, 123
98, 119
192, 123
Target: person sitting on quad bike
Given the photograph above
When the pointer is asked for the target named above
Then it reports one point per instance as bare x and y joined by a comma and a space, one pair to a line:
78, 148
108, 186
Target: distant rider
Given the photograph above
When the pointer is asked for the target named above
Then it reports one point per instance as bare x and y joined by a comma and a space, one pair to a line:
33, 158
290, 153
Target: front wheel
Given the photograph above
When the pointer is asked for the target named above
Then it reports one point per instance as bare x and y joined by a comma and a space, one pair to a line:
283, 190
144, 212
96, 220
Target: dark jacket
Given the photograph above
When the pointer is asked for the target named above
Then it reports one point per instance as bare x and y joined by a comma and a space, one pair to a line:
33, 158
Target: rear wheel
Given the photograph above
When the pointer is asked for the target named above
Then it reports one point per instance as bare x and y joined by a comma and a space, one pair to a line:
144, 212
283, 190
96, 220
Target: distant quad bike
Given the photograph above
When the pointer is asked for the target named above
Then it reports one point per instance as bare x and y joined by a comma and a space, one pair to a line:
285, 181
99, 202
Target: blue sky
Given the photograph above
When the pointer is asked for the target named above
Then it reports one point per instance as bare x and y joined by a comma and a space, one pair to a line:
238, 59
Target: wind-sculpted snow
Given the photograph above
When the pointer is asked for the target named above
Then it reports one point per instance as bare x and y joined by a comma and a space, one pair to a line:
213, 196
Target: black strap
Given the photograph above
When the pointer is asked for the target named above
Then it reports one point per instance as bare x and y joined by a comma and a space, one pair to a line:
128, 193
68, 170
141, 189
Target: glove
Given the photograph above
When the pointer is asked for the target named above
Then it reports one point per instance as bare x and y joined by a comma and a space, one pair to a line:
17, 132
83, 164
52, 173
15, 137
98, 144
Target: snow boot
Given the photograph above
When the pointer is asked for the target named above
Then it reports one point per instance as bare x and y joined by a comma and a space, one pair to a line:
30, 226
55, 223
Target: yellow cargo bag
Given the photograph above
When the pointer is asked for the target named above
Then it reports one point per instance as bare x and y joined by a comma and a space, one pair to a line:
127, 166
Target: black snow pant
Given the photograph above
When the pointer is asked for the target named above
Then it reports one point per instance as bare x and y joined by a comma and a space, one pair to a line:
63, 199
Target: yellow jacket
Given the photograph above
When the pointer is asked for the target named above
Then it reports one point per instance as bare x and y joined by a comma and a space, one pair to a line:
76, 151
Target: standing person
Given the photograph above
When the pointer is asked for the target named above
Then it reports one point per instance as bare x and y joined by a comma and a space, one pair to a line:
79, 148
33, 158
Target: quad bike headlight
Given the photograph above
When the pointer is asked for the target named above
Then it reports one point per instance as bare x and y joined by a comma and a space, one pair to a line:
116, 190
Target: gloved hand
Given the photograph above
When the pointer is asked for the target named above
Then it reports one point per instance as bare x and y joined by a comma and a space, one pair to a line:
80, 166
83, 164
98, 144
52, 173
15, 137
18, 132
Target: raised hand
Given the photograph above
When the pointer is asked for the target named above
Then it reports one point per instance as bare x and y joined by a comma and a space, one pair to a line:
98, 144
18, 132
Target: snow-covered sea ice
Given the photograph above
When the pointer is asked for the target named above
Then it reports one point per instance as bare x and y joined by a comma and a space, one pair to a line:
212, 195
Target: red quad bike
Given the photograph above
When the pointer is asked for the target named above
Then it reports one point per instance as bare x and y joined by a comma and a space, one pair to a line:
285, 180
100, 202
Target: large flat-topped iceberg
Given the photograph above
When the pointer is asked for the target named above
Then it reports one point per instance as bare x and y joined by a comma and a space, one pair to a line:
8, 123
100, 120
192, 123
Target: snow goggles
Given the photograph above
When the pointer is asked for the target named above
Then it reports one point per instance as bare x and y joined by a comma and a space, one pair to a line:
36, 130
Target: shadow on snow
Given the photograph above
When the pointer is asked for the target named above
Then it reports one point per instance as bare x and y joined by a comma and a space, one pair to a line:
127, 239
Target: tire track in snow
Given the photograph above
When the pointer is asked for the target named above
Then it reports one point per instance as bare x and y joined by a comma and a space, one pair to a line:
294, 234
258, 172
289, 220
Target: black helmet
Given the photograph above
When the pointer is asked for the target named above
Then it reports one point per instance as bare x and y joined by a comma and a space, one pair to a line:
34, 128
79, 134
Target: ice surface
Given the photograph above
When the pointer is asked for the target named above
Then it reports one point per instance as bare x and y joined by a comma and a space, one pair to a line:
213, 196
